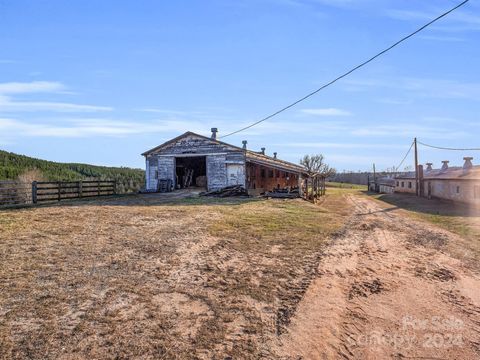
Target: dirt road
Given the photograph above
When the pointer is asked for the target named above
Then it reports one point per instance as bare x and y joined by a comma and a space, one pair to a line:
387, 288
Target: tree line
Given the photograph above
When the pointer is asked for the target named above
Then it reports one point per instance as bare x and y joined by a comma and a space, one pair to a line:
15, 167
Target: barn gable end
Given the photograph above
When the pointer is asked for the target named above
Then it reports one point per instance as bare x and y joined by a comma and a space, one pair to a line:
202, 156
190, 143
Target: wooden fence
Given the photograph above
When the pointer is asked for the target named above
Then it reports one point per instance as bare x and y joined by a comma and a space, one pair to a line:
17, 193
61, 190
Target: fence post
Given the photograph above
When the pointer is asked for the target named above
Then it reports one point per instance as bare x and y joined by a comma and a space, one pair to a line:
98, 187
115, 187
59, 184
34, 192
80, 188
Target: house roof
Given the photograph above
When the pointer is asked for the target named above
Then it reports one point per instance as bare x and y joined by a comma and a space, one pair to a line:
251, 156
452, 173
385, 181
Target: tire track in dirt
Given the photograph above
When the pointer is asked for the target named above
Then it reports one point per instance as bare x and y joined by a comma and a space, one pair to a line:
387, 290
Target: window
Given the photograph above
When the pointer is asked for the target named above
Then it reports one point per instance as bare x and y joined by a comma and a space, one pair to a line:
403, 184
458, 189
476, 192
156, 174
398, 183
409, 184
270, 173
262, 173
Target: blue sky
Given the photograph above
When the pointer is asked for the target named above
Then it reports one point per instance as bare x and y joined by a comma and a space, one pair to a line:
102, 81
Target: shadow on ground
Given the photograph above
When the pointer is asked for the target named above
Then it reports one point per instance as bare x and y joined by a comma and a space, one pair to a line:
176, 198
428, 206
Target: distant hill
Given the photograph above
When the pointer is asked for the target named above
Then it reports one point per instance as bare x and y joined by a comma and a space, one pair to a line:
15, 167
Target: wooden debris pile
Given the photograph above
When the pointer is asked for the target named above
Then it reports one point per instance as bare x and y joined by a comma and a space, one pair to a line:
234, 190
283, 193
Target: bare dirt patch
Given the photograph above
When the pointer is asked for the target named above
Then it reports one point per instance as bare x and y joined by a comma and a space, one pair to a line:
157, 277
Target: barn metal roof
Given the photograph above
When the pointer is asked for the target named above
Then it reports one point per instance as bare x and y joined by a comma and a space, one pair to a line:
452, 173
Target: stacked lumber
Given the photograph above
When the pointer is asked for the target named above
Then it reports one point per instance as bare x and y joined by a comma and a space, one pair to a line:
233, 190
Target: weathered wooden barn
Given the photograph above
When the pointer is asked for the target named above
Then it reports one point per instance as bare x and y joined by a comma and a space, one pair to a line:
193, 160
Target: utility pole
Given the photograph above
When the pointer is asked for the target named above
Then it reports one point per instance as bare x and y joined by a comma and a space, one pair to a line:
417, 188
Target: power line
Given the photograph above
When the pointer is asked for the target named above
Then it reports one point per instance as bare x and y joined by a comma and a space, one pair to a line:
447, 148
408, 152
348, 72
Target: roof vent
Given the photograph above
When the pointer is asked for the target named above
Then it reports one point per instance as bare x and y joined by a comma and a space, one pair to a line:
429, 166
214, 133
244, 142
263, 151
445, 165
275, 155
468, 163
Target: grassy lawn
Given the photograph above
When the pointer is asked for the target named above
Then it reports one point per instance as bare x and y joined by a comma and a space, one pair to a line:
145, 276
332, 184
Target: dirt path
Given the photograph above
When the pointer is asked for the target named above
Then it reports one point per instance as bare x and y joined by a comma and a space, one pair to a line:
387, 289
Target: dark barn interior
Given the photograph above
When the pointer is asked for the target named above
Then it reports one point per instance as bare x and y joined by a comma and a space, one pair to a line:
191, 172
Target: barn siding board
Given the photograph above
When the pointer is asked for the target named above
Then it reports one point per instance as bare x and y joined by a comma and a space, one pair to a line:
216, 172
152, 168
166, 168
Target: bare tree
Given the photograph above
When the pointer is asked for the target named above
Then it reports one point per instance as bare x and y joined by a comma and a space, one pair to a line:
315, 164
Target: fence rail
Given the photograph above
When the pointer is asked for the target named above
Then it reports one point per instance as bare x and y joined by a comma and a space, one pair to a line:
17, 193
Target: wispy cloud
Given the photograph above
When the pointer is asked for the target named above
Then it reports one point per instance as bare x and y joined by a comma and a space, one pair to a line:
460, 20
326, 112
30, 87
442, 38
361, 160
420, 87
331, 3
341, 145
9, 104
78, 128
169, 112
7, 61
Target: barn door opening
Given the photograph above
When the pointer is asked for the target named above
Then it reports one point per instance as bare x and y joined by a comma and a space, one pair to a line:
191, 172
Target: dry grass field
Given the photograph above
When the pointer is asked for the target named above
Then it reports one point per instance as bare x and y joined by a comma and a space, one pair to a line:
157, 277
175, 277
